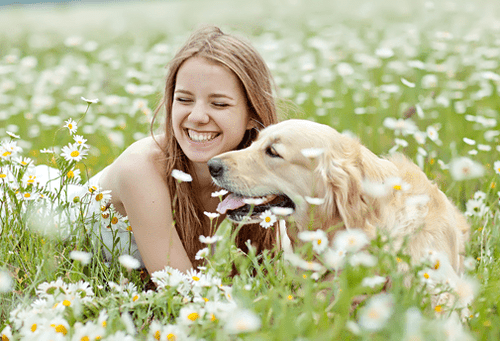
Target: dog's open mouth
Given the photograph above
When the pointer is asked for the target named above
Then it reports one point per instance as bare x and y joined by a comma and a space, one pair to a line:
240, 208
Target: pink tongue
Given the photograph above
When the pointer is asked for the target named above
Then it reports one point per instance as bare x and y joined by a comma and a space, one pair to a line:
231, 202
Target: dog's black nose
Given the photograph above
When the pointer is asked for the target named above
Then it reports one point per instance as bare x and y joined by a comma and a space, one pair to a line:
215, 167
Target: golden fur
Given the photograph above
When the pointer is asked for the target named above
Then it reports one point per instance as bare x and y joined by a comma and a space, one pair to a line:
343, 175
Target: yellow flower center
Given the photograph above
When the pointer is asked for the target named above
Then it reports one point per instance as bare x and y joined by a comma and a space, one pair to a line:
70, 126
70, 174
195, 278
157, 335
193, 316
85, 338
397, 187
290, 297
399, 260
27, 195
129, 228
436, 266
114, 220
136, 297
212, 317
104, 323
66, 303
74, 153
4, 337
426, 275
319, 241
438, 309
61, 329
373, 314
6, 154
105, 215
2, 176
171, 337
33, 327
268, 219
99, 197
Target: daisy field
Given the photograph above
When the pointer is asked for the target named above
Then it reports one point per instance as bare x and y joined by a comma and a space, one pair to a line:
80, 82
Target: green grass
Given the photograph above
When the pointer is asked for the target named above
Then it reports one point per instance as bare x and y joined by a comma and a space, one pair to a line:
330, 66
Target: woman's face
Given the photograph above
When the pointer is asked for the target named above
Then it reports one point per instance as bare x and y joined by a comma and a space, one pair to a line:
209, 110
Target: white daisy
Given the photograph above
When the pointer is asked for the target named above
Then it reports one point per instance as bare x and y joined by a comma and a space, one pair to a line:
46, 151
312, 152
373, 188
181, 176
375, 314
71, 125
466, 289
211, 215
80, 140
334, 259
81, 256
129, 262
12, 135
318, 239
268, 219
5, 281
74, 174
168, 277
407, 83
90, 101
397, 184
432, 133
363, 258
72, 152
351, 240
496, 167
9, 149
202, 254
470, 142
210, 240
220, 193
373, 282
463, 168
242, 321
190, 314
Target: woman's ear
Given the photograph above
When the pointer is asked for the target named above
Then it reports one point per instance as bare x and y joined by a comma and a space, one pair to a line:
252, 124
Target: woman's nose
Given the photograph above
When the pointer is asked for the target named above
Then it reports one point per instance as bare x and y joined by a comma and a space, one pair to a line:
199, 114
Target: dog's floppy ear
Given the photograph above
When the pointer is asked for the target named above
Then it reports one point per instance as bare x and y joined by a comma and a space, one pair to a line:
341, 172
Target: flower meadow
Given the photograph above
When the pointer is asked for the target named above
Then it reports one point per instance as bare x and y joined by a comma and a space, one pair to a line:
417, 77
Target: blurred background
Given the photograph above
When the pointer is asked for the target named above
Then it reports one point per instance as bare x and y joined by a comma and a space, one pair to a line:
385, 71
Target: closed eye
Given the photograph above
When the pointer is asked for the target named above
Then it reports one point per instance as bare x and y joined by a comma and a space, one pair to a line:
270, 151
182, 99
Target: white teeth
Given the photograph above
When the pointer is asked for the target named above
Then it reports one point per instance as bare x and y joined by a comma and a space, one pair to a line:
201, 137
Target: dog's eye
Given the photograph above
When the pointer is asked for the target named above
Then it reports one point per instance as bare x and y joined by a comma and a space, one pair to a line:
272, 152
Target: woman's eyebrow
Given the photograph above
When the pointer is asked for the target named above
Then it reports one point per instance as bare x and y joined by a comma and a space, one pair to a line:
218, 95
212, 95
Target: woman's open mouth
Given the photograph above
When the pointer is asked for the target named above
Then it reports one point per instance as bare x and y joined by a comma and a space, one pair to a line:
201, 137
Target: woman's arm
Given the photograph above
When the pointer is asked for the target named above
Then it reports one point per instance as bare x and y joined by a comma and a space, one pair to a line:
136, 182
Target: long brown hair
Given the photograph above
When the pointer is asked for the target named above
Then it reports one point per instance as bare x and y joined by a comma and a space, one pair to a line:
246, 63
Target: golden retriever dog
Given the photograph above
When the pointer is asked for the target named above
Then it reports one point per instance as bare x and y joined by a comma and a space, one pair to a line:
354, 188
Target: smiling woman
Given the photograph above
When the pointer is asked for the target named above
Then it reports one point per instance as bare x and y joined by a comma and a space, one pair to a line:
218, 93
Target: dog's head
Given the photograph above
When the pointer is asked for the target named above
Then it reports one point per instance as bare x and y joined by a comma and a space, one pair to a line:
276, 171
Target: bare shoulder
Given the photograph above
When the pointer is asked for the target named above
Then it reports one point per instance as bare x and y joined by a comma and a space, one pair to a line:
142, 160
